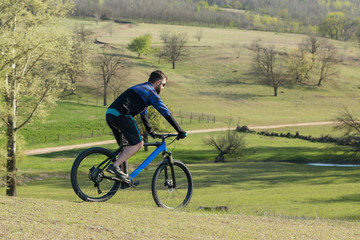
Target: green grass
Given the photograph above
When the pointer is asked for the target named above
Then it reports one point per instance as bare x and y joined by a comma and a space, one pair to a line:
211, 82
261, 182
49, 219
268, 194
207, 77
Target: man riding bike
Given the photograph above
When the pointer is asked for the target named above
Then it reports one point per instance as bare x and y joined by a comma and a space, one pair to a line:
133, 101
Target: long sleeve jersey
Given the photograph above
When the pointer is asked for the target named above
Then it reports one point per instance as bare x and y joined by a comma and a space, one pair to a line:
136, 99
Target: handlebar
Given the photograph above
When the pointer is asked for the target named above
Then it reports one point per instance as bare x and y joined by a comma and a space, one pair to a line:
167, 135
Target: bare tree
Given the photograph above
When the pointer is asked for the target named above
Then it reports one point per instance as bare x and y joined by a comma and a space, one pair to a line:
111, 65
228, 143
267, 65
199, 34
237, 49
327, 60
312, 42
117, 84
174, 46
351, 127
159, 52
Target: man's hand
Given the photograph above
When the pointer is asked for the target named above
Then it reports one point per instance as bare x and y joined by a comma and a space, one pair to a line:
153, 134
181, 134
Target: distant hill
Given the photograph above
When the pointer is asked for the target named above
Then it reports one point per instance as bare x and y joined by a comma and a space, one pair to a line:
295, 16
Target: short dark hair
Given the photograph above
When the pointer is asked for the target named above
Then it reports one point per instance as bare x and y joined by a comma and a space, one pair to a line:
156, 75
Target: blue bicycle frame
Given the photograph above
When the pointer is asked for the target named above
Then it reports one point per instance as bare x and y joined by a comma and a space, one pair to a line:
160, 148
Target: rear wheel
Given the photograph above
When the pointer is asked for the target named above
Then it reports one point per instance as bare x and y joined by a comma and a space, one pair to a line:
88, 178
166, 192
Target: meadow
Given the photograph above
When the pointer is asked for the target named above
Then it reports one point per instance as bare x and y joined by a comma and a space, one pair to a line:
269, 191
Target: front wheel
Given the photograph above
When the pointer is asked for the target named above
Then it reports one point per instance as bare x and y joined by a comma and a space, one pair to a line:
88, 177
165, 191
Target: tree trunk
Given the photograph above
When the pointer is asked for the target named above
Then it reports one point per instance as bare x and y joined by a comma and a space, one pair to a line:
321, 77
173, 65
11, 158
105, 93
220, 157
275, 91
146, 139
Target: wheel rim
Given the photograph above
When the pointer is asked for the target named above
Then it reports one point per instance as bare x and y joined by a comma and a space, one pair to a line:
90, 179
168, 196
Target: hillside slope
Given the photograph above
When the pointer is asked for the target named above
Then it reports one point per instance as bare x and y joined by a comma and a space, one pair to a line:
48, 219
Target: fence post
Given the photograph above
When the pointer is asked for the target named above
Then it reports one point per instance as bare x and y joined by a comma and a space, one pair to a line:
45, 139
58, 137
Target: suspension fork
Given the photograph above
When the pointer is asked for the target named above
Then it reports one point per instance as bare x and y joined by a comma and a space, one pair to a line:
169, 159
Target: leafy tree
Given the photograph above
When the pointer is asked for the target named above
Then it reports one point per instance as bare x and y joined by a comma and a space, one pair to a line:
140, 44
80, 57
300, 64
156, 121
34, 51
338, 26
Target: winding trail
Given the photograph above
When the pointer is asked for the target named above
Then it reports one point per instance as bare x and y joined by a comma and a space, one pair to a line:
85, 145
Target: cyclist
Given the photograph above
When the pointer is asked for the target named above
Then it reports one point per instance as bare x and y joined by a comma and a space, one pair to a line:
133, 101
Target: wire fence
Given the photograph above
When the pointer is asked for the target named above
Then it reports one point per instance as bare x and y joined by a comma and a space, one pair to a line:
184, 118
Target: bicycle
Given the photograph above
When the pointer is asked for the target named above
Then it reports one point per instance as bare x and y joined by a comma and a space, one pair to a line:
171, 184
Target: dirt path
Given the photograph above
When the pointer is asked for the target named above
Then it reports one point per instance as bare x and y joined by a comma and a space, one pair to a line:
85, 145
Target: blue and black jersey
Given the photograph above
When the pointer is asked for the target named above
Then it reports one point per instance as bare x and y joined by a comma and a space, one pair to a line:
136, 99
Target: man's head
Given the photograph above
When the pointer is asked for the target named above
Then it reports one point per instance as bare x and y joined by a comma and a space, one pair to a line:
158, 80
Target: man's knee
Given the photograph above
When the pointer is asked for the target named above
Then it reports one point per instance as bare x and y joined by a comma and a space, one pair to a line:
138, 146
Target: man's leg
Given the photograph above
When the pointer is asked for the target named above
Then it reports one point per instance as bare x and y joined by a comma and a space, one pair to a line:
128, 152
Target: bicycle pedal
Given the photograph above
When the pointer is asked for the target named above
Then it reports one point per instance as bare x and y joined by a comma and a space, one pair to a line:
132, 184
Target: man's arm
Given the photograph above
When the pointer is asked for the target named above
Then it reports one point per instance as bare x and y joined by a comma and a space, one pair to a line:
145, 119
159, 105
173, 123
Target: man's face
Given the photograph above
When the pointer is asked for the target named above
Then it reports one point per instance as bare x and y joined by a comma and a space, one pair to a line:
160, 84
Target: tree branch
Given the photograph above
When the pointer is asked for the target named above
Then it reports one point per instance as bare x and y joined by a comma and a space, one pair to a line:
34, 110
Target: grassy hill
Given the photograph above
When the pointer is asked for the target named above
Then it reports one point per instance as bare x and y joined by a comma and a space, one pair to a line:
268, 195
49, 219
212, 84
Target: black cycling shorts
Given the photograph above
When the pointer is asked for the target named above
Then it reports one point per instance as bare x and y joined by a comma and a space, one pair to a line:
124, 125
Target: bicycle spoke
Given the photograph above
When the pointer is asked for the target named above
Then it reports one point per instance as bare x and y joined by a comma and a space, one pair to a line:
165, 193
88, 180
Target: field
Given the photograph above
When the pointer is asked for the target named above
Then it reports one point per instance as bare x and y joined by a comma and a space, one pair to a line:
51, 219
269, 191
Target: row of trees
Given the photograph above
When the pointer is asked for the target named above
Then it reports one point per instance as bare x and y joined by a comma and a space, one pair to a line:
315, 59
334, 19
